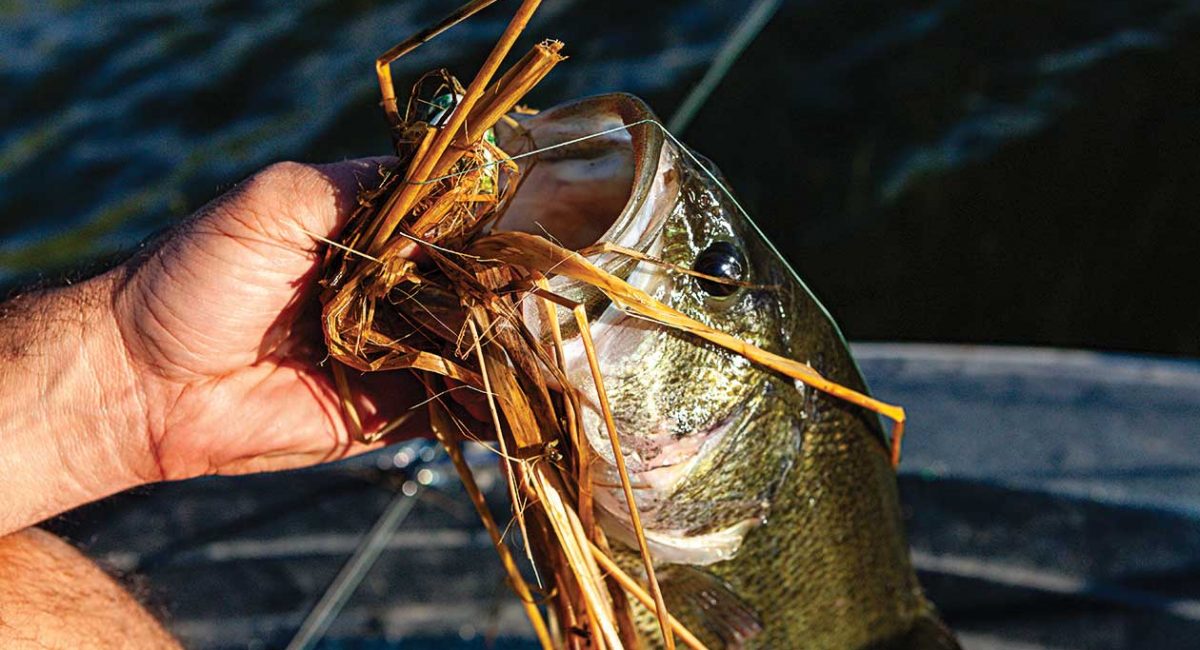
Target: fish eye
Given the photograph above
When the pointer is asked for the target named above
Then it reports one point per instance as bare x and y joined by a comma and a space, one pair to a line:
721, 260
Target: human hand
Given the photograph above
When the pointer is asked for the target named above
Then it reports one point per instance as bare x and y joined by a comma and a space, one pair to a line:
219, 330
201, 355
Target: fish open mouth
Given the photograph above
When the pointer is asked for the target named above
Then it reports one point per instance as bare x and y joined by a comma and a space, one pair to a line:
600, 174
619, 187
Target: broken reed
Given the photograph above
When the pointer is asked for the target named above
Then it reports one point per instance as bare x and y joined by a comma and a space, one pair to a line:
457, 319
451, 319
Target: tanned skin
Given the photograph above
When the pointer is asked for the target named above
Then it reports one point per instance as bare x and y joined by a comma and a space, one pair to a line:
201, 355
52, 596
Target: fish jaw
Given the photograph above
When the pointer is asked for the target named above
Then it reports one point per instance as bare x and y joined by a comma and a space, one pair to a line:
658, 457
681, 547
654, 484
661, 450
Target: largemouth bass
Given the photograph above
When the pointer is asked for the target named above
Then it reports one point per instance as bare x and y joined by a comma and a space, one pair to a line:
770, 509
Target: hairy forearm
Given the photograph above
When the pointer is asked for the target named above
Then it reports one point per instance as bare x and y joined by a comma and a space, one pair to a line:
196, 357
52, 596
69, 416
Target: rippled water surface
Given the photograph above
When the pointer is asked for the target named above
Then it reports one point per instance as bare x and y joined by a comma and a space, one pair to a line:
121, 117
964, 170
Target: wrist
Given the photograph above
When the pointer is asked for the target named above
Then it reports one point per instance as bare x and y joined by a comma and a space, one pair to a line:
122, 418
73, 425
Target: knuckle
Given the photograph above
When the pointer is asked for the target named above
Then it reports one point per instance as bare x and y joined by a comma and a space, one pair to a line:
271, 203
275, 188
281, 178
293, 182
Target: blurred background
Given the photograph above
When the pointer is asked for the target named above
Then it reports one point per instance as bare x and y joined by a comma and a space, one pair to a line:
942, 173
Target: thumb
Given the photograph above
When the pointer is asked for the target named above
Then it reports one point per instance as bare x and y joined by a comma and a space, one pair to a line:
289, 203
344, 182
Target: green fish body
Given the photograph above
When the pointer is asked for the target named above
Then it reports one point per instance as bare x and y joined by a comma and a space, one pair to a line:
771, 509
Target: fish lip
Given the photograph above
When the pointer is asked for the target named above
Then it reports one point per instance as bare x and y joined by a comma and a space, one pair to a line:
653, 196
655, 188
647, 144
703, 441
658, 477
649, 148
668, 543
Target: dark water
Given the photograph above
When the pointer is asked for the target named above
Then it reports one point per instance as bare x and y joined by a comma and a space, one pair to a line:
956, 170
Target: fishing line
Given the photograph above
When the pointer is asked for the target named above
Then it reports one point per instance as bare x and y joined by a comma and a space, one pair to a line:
446, 392
691, 156
895, 413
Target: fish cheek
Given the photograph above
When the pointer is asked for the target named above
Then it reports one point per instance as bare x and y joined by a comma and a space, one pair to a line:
743, 477
739, 480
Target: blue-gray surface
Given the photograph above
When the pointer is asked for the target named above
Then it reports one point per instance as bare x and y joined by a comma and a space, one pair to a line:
1055, 495
1052, 502
1113, 429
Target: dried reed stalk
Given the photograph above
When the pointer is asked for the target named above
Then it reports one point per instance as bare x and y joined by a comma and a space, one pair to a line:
533, 252
381, 312
455, 320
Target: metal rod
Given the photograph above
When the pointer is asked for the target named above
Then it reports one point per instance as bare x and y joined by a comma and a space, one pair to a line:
346, 583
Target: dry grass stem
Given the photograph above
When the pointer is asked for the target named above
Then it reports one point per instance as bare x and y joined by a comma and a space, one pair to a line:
632, 586
538, 253
417, 283
589, 347
438, 420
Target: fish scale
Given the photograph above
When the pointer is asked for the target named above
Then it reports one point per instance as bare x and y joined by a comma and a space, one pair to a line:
771, 510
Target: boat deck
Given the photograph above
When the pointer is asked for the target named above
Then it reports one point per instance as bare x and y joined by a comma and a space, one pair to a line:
1053, 501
